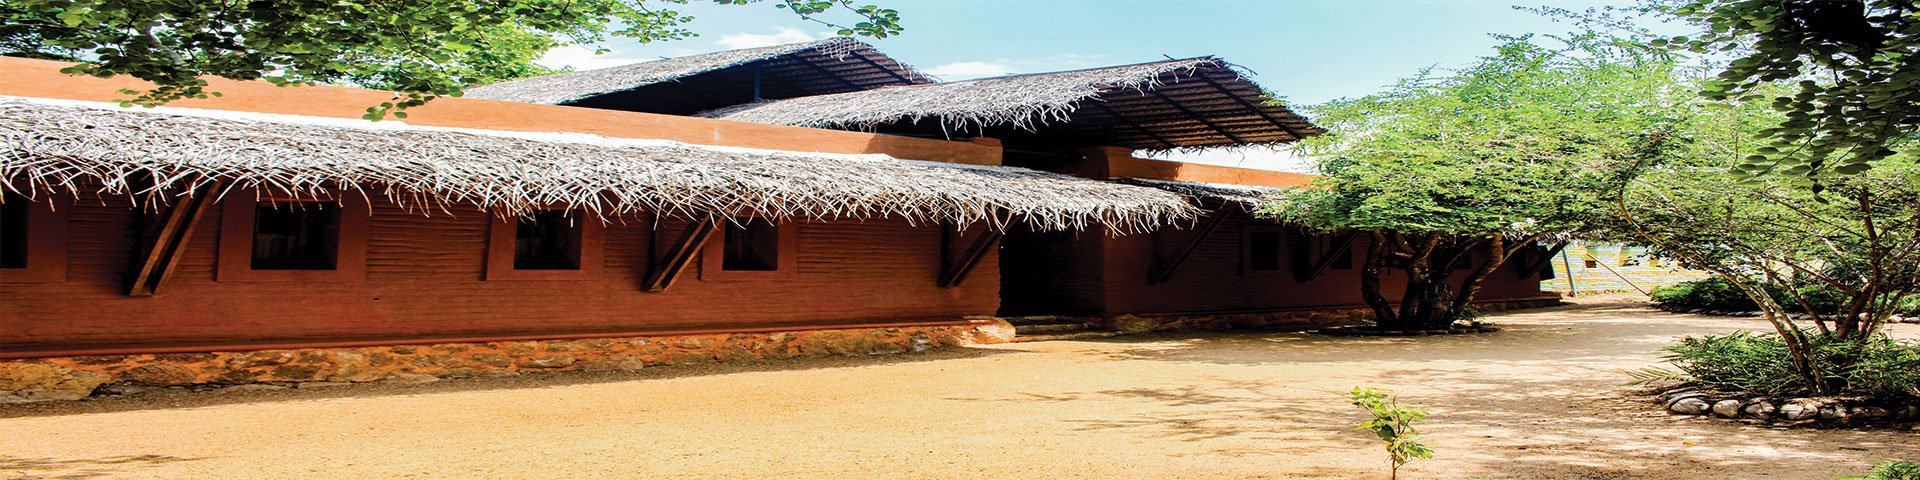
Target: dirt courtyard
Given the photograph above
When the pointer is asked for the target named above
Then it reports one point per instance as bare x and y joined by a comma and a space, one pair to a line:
1543, 399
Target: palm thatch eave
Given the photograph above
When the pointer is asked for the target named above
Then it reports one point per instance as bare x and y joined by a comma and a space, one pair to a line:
1148, 101
52, 143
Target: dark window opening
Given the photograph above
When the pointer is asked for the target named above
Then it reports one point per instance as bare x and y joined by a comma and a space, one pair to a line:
752, 244
547, 240
1263, 251
1342, 260
13, 231
1591, 263
296, 236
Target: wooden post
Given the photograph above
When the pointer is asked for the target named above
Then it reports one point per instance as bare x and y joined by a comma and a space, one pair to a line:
663, 270
162, 253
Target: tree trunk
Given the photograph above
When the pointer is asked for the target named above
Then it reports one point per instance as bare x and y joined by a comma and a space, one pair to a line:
1370, 272
1496, 256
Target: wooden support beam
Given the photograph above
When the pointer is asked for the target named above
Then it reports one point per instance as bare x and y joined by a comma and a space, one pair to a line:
1250, 106
876, 65
956, 261
162, 253
1197, 116
665, 268
1212, 222
1544, 263
836, 77
1320, 266
1130, 123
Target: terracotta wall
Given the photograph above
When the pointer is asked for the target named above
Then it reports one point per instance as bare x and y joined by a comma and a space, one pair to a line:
1210, 281
424, 280
1110, 162
41, 78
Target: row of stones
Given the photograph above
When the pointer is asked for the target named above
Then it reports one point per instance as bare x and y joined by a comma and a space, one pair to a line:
1789, 412
66, 378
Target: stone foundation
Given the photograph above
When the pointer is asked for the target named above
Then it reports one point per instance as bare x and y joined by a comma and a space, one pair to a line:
70, 378
1305, 319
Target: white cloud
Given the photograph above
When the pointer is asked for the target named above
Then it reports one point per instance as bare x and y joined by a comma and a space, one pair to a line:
583, 58
781, 35
967, 70
1008, 66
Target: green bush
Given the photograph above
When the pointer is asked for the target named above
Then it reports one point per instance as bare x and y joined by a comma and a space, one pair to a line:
1891, 470
1716, 293
1881, 368
1711, 293
1909, 306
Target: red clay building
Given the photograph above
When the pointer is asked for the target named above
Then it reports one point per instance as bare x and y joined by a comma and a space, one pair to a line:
270, 236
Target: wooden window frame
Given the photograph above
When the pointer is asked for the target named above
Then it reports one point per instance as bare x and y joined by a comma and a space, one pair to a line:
502, 232
1246, 251
714, 253
235, 261
46, 242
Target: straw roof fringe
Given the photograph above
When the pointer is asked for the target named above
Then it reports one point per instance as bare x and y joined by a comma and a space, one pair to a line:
48, 143
1025, 101
572, 86
1252, 197
1133, 99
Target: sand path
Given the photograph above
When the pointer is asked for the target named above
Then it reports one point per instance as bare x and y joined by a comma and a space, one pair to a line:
1543, 399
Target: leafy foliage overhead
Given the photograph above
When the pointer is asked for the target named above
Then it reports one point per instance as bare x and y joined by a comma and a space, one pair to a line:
424, 48
1492, 158
1517, 144
1856, 65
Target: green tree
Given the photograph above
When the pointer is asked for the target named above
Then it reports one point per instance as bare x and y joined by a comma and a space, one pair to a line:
1854, 64
422, 49
1485, 161
1856, 235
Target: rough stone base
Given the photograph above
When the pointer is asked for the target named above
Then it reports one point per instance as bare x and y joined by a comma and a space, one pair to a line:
1304, 319
1786, 412
70, 378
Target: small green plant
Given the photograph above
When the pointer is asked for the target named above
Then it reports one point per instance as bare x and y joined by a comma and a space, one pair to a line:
1393, 422
1891, 470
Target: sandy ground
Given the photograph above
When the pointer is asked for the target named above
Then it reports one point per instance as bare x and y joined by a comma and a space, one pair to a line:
1543, 399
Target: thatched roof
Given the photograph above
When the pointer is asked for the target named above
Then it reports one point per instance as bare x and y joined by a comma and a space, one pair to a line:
1250, 197
684, 85
45, 143
1168, 105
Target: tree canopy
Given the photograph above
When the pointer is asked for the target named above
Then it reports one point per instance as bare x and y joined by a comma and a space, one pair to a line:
422, 48
1855, 66
1511, 150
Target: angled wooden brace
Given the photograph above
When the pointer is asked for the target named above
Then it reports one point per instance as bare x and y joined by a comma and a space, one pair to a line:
1304, 272
665, 268
1545, 263
158, 256
1208, 225
958, 255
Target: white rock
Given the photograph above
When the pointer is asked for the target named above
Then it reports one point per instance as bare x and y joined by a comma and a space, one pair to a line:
1727, 408
1690, 406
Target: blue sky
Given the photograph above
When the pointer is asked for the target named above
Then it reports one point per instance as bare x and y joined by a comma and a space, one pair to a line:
1308, 51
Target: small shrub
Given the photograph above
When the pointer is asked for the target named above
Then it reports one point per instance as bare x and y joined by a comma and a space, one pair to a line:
1881, 368
1909, 306
1711, 293
1716, 293
1393, 423
1891, 470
